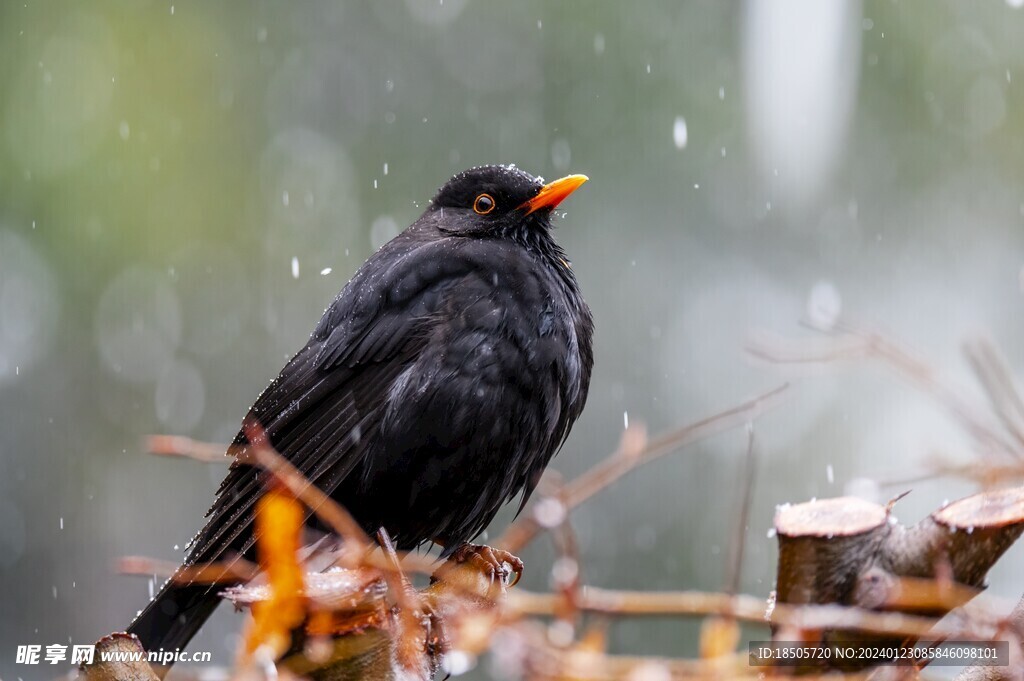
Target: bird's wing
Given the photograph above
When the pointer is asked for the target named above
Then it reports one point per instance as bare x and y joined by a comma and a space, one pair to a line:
322, 411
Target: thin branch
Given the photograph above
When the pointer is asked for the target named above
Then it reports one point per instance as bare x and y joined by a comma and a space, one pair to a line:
996, 378
411, 632
732, 584
856, 343
239, 570
186, 447
745, 608
357, 546
399, 583
625, 459
985, 473
325, 508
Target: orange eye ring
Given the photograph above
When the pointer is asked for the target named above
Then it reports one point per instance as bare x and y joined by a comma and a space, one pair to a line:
484, 204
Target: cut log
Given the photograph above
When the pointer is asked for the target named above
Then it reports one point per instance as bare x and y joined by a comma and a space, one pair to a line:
851, 552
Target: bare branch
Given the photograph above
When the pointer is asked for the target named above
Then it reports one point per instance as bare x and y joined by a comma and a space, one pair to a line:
750, 609
858, 343
996, 378
743, 514
628, 456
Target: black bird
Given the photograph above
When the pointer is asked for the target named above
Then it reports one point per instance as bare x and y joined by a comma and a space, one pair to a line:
436, 387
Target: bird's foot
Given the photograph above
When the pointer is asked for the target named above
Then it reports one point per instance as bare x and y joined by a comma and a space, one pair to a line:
496, 563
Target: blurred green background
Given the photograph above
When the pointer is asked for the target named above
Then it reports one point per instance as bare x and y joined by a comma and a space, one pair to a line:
184, 186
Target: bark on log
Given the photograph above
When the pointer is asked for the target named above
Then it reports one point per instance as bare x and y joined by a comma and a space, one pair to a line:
851, 552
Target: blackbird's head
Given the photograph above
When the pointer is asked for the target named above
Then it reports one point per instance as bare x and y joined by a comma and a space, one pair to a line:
499, 201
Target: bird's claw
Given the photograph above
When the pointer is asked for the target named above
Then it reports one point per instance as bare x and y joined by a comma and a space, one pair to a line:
496, 563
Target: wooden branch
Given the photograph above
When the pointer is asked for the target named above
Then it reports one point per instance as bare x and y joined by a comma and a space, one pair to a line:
634, 450
750, 609
996, 378
746, 496
1013, 625
238, 570
851, 552
353, 632
261, 453
857, 343
348, 633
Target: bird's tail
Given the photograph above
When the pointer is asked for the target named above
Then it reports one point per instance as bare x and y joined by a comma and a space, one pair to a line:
172, 618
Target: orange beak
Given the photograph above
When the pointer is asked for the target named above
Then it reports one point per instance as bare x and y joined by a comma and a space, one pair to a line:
553, 193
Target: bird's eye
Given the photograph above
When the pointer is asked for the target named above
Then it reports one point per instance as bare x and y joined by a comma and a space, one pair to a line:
484, 204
